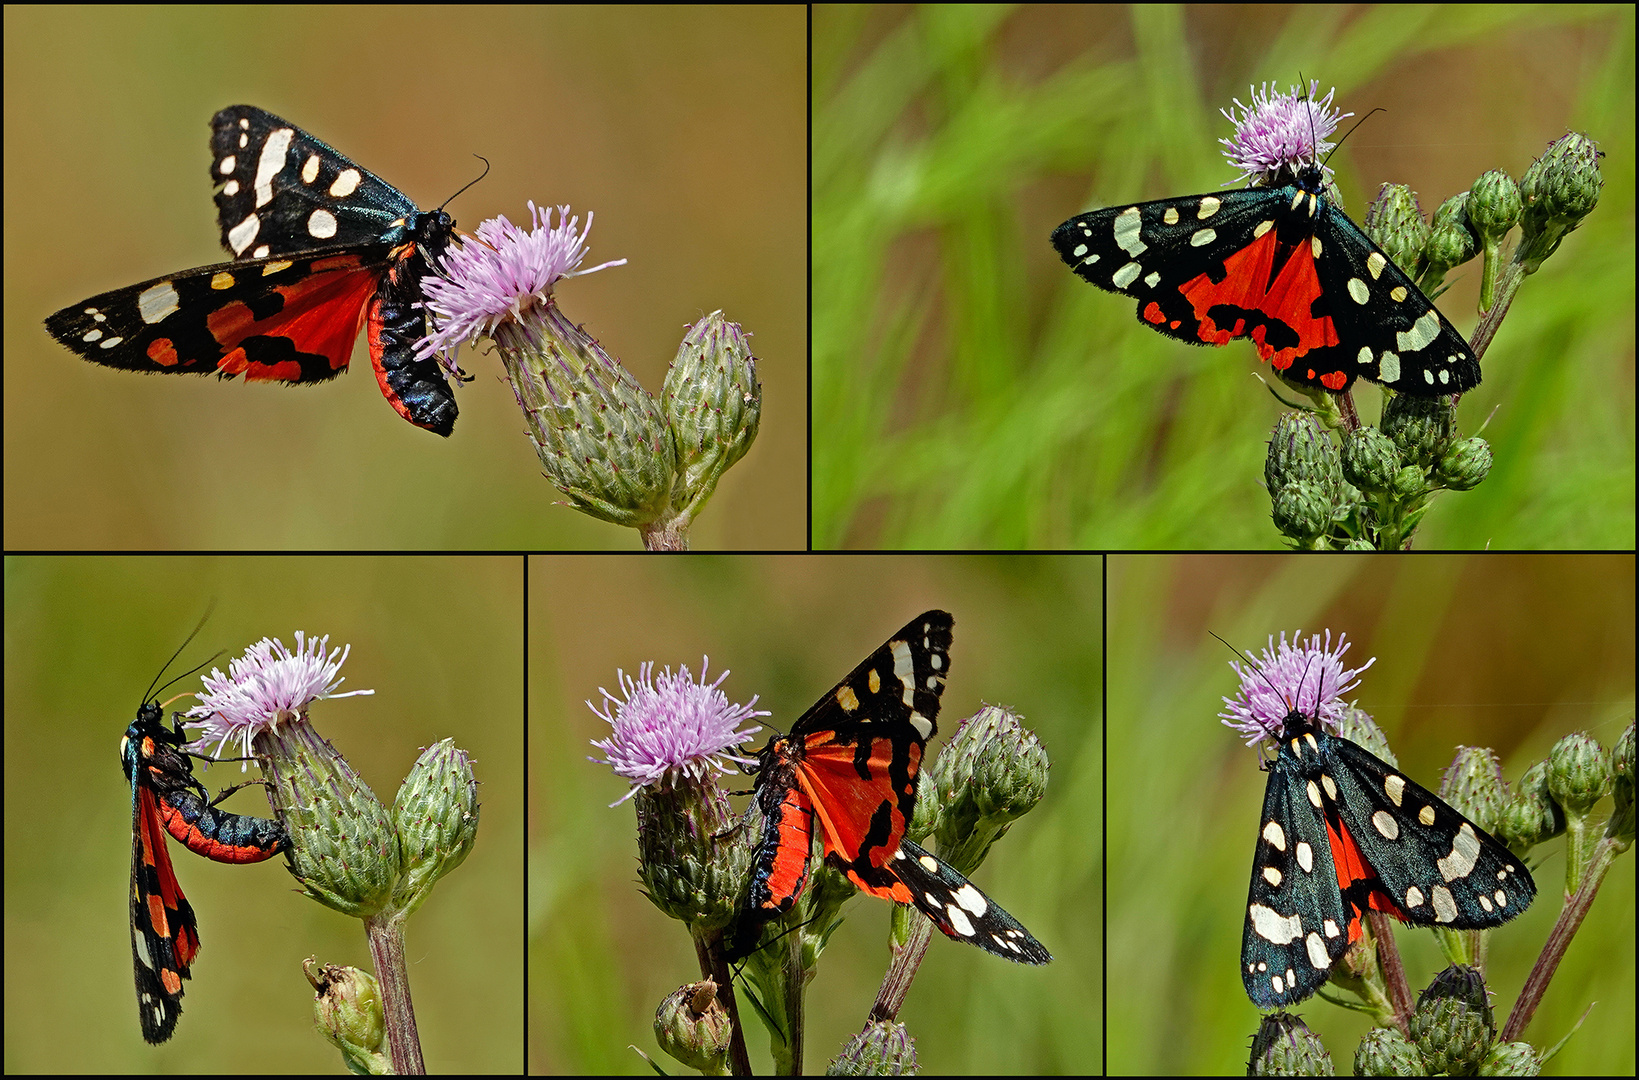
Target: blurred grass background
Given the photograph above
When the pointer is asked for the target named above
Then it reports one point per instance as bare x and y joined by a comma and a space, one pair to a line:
682, 129
439, 640
1027, 636
1507, 652
970, 392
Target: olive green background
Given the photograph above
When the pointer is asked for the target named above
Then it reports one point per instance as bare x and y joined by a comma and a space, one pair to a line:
1507, 652
682, 129
971, 392
440, 642
787, 628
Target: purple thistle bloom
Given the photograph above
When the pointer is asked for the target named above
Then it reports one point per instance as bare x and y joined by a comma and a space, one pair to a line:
1311, 679
514, 270
1280, 132
266, 686
669, 728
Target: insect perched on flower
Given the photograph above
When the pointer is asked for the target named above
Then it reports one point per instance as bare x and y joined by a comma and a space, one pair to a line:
1342, 833
1278, 263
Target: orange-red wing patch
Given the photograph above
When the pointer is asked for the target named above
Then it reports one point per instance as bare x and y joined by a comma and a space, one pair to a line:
863, 796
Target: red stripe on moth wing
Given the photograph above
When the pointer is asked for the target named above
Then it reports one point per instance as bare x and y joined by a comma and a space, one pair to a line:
1287, 298
321, 316
1352, 869
164, 904
860, 818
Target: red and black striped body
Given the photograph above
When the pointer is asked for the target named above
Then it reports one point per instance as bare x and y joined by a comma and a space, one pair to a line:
166, 798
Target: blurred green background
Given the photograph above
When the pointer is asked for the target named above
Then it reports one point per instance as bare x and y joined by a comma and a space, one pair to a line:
439, 640
1027, 635
1506, 652
971, 392
682, 129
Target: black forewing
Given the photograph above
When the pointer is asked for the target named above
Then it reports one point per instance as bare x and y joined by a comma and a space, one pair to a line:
1296, 926
1404, 830
280, 190
961, 910
895, 691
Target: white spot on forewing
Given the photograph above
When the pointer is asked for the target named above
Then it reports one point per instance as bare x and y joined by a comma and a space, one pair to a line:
270, 161
1385, 824
1128, 231
1422, 333
242, 235
904, 669
228, 164
310, 168
1276, 838
345, 183
1465, 851
971, 900
1445, 905
1272, 926
321, 225
1007, 940
1394, 786
156, 302
958, 921
143, 955
1315, 949
1306, 857
1126, 275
